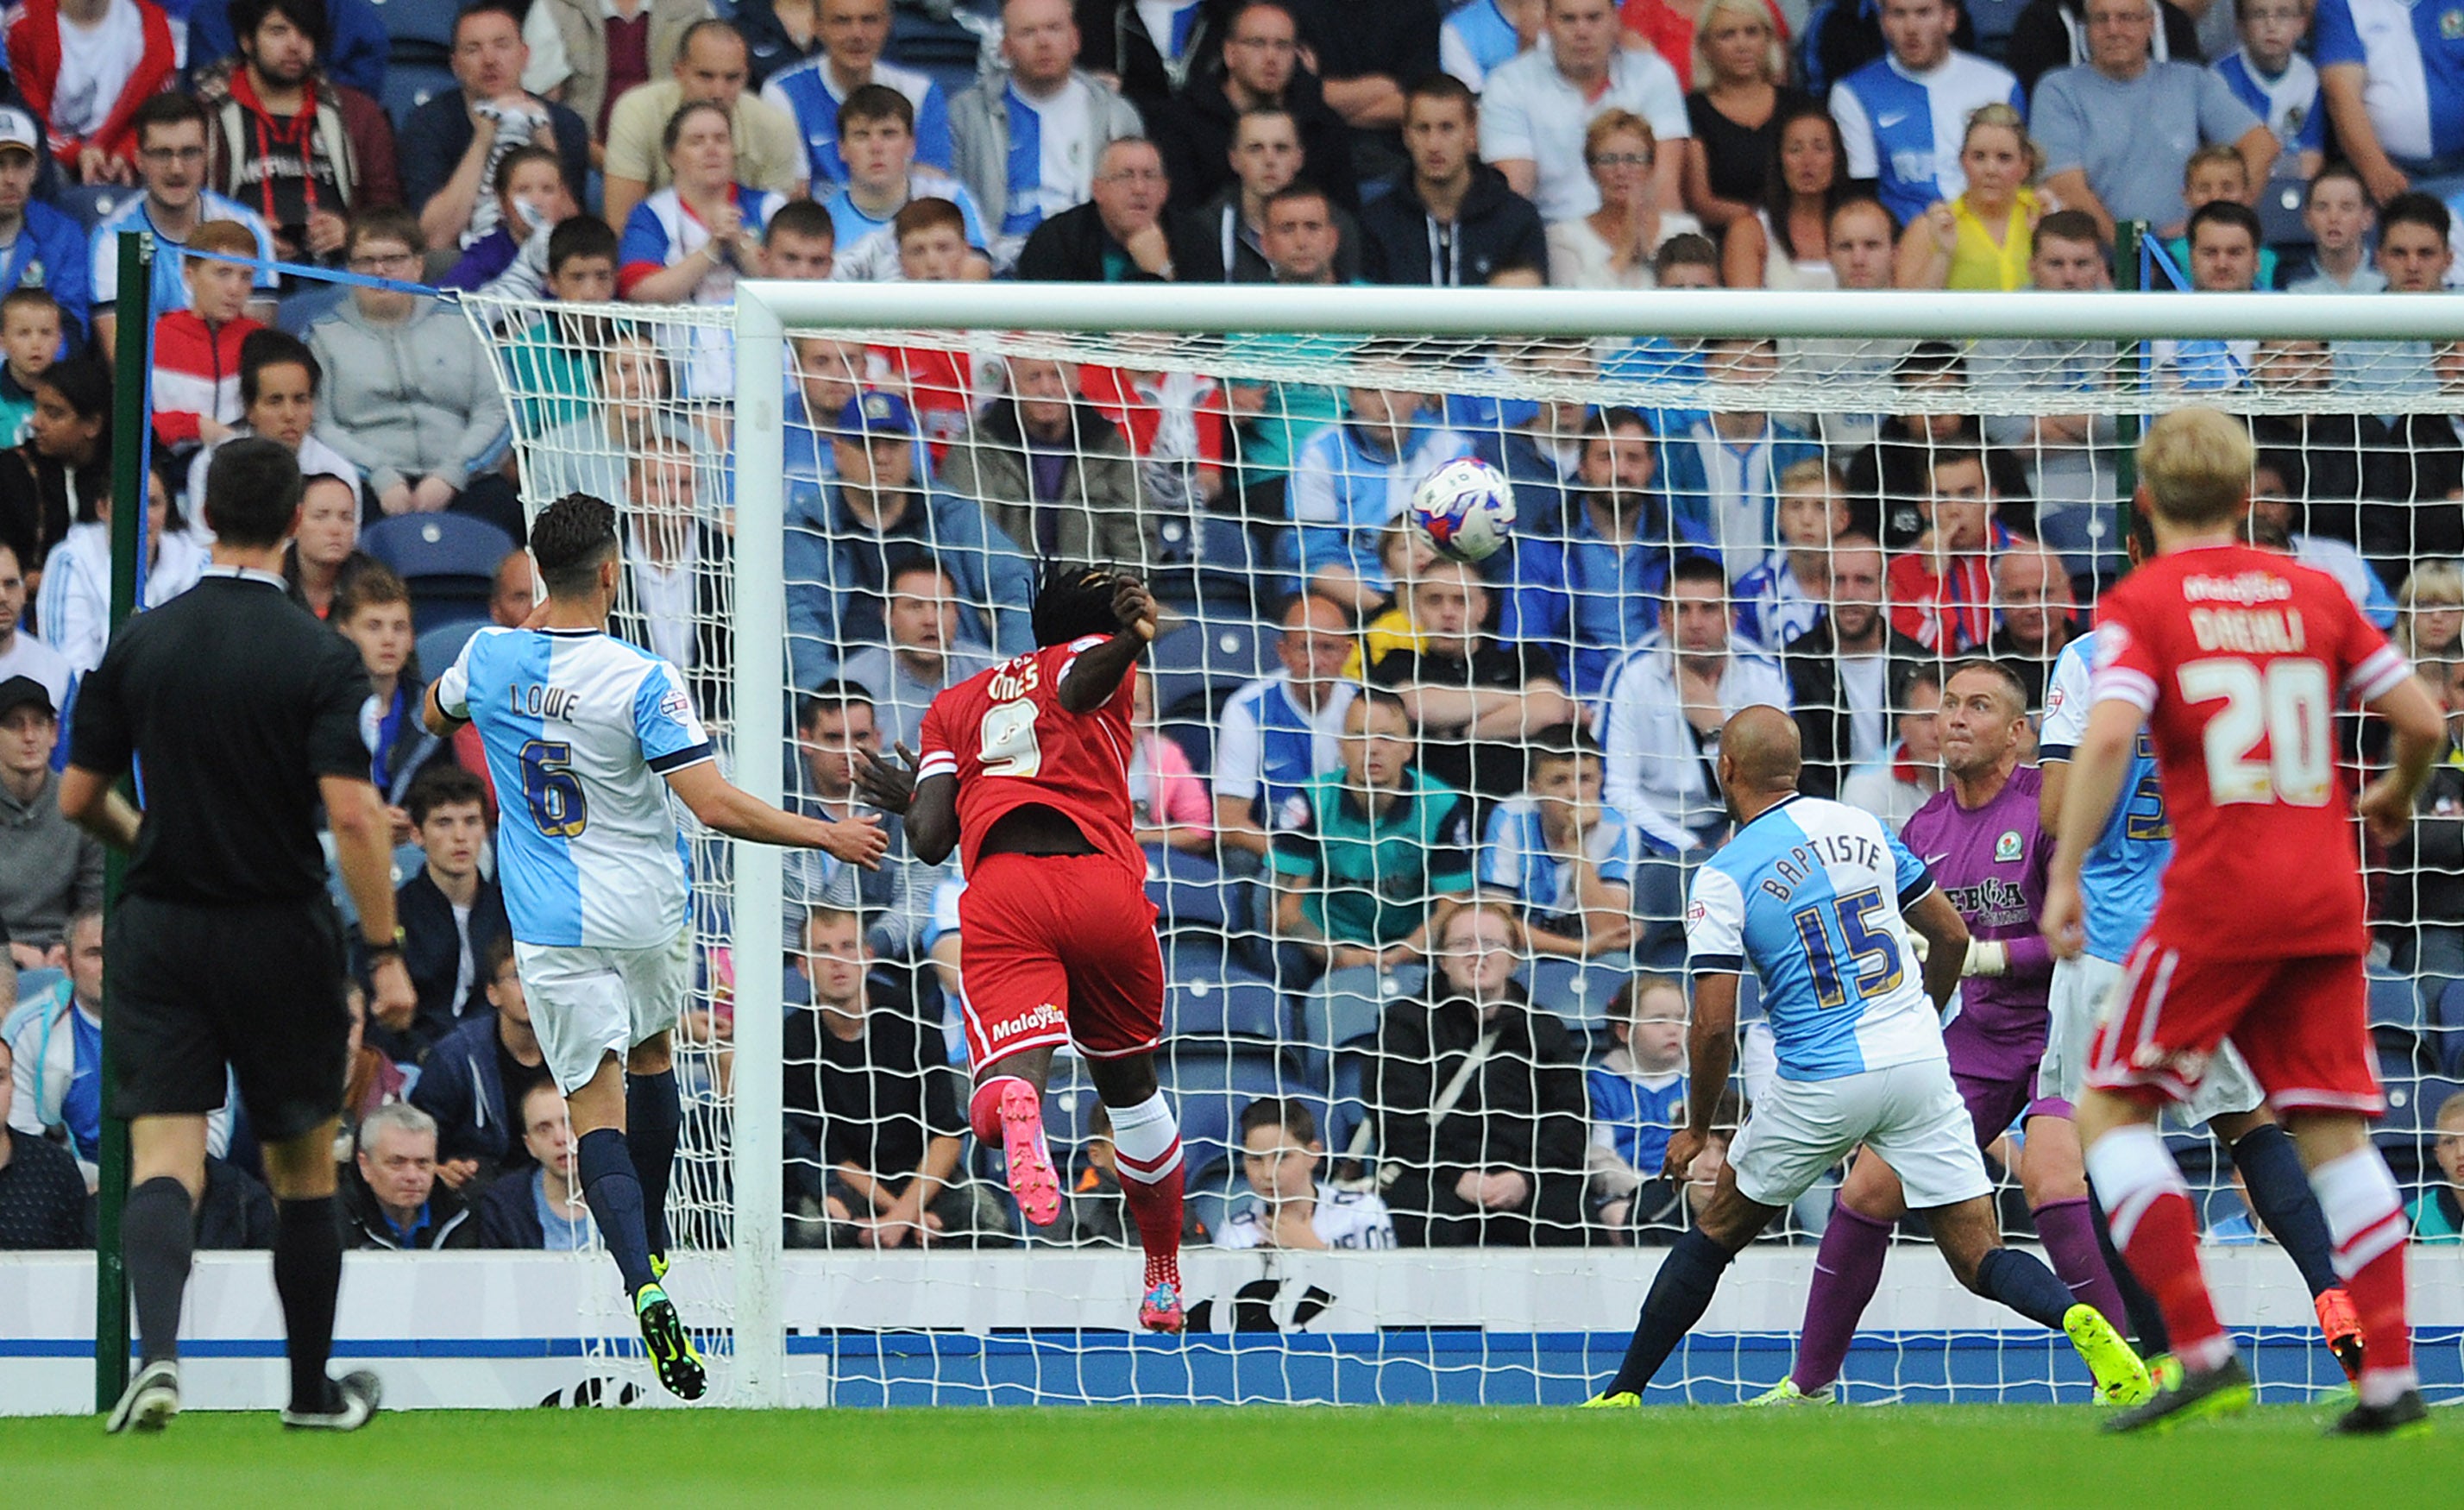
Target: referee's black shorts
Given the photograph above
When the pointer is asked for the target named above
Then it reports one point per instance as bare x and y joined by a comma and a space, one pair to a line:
256, 987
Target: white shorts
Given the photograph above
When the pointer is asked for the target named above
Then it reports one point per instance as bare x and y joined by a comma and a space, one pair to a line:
1909, 1114
2082, 993
588, 1003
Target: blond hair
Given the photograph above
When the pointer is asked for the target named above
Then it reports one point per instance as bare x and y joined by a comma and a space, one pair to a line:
1775, 56
2434, 585
1804, 476
2195, 464
1609, 122
2002, 114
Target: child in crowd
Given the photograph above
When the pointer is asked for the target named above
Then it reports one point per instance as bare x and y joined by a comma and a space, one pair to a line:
2337, 212
940, 381
372, 610
1564, 857
1638, 1098
1280, 1155
1782, 598
196, 349
532, 200
2438, 1212
552, 360
2269, 74
1168, 800
30, 337
2216, 172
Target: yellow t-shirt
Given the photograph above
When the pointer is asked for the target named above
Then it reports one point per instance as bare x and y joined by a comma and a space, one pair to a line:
1389, 631
769, 153
1977, 262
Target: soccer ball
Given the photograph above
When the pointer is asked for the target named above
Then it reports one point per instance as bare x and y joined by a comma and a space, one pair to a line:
1463, 509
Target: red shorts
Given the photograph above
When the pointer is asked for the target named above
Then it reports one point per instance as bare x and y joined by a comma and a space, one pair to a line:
1055, 949
2304, 1024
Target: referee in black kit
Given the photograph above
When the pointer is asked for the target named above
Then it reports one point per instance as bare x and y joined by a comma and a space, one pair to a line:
244, 712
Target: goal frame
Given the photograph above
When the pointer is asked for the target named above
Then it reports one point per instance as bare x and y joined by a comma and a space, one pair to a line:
766, 310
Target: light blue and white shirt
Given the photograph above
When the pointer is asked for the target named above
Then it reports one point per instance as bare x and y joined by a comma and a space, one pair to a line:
579, 729
2288, 102
1346, 488
1475, 38
1903, 130
2412, 55
868, 246
1773, 607
1516, 861
1052, 166
1267, 746
807, 93
2123, 873
1809, 895
171, 289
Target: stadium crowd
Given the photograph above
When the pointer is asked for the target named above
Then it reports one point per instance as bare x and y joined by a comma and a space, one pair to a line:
1422, 853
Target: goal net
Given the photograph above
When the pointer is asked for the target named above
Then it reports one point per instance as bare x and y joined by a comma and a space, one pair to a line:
836, 499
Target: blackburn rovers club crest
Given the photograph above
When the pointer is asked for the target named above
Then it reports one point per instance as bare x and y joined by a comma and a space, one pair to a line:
2008, 847
2451, 25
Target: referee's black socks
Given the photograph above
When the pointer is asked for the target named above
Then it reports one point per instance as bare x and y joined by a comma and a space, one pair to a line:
307, 1275
653, 1120
157, 1231
1680, 1294
614, 1192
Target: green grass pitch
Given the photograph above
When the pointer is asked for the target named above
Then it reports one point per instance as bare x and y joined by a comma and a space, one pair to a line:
1903, 1457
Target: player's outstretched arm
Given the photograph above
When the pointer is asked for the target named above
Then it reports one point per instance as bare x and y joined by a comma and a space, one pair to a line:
2100, 763
2385, 805
1712, 1048
1095, 677
930, 806
1945, 936
738, 814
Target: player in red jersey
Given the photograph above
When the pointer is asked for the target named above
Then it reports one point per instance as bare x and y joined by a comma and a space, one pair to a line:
2236, 661
1025, 769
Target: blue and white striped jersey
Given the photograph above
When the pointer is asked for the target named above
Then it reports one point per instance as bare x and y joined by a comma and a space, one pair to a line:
580, 729
1808, 894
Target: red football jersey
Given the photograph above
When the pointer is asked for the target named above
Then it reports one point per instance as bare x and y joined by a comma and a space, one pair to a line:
2239, 659
1006, 735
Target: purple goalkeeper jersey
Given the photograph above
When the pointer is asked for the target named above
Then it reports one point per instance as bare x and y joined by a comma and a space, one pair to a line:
1991, 863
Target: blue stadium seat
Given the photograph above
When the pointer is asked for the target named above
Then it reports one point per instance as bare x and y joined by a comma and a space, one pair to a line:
438, 646
409, 85
1578, 990
87, 204
1226, 1003
419, 21
1343, 1008
1208, 661
1208, 1087
449, 560
1347, 1103
1189, 891
2447, 1030
2395, 1014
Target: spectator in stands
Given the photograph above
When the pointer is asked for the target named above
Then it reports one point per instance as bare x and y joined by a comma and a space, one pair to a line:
877, 130
554, 362
2432, 443
389, 1195
625, 401
1280, 1156
532, 200
171, 135
2281, 507
1785, 593
1477, 36
1613, 246
1267, 159
1051, 472
49, 869
2048, 34
1352, 478
1121, 41
711, 68
1665, 704
301, 150
2032, 595
1563, 856
1896, 112
1739, 96
2395, 98
474, 1078
2414, 257
2340, 467
2216, 174
2117, 131
1039, 97
688, 242
1941, 589
1890, 487
927, 649
1638, 1098
74, 607
1503, 1165
1364, 71
1786, 241
355, 53
43, 1200
799, 242
370, 1079
678, 565
372, 610
2418, 911
848, 536
47, 251
1119, 235
2430, 612
1842, 671
1982, 236
1540, 452
2438, 1213
1535, 111
588, 57
279, 379
195, 377
1280, 732
86, 67
813, 93
1450, 221
32, 336
1370, 859
1904, 777
326, 545
54, 478
57, 1049
873, 1125
543, 1208
1259, 69
1593, 595
1724, 470
413, 403
453, 146
1168, 802
833, 722
21, 654
829, 373
1860, 238
2068, 462
2269, 74
1174, 425
1474, 700
2337, 213
779, 34
449, 912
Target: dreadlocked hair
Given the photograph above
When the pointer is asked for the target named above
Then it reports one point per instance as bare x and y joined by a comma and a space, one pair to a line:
1074, 601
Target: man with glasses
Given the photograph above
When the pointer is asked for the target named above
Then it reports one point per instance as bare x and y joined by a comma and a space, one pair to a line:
1118, 236
1261, 69
171, 163
1534, 110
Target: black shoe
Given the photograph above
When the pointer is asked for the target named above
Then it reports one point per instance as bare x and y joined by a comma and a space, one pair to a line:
150, 1400
2222, 1390
355, 1400
2406, 1415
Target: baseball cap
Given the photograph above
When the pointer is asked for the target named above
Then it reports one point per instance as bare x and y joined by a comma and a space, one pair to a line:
18, 130
19, 692
877, 415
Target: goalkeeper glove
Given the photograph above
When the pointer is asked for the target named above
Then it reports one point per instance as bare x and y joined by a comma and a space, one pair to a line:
1987, 958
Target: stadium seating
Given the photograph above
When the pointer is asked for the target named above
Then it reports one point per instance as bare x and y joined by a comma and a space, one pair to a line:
1578, 990
1208, 999
449, 561
409, 85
